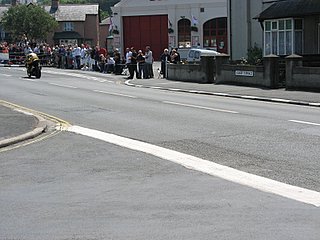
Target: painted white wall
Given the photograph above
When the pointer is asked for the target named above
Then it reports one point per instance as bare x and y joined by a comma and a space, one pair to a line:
175, 9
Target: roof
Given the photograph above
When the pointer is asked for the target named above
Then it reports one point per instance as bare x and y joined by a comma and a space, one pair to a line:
106, 21
73, 12
290, 8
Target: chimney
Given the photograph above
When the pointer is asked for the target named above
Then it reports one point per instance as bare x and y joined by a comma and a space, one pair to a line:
54, 6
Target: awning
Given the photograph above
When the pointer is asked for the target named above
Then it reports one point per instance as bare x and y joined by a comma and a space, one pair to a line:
67, 35
290, 8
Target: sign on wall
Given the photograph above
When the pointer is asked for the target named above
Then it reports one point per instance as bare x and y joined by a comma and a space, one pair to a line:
244, 73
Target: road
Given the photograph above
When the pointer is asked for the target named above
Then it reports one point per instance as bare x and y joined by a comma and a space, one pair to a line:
149, 164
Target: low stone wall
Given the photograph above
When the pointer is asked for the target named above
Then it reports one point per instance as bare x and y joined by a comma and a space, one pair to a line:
241, 75
305, 78
202, 72
299, 77
218, 70
249, 75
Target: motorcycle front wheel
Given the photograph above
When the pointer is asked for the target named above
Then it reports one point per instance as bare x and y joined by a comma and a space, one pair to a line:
29, 73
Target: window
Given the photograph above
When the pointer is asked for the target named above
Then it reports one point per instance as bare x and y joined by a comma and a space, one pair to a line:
215, 34
68, 26
184, 33
283, 36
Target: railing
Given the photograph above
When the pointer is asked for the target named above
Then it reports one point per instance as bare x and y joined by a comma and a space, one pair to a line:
18, 58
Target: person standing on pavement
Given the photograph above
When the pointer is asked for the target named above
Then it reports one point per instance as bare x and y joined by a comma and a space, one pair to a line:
83, 55
133, 63
76, 53
127, 57
165, 58
141, 65
148, 63
174, 56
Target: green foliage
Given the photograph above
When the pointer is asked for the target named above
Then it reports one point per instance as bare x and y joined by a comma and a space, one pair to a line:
254, 55
104, 14
30, 21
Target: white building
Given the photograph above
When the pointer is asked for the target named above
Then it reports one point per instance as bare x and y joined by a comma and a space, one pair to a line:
170, 23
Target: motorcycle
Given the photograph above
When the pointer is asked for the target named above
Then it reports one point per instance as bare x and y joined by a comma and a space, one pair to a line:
33, 65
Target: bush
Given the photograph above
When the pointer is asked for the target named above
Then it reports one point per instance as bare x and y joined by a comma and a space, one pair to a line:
254, 55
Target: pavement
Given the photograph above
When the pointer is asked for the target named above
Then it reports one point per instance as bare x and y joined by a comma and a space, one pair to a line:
17, 126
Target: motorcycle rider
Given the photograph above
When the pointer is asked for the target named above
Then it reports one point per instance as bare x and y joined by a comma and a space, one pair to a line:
30, 58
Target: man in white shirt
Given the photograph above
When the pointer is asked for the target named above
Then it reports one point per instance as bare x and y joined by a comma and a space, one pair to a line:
148, 63
76, 53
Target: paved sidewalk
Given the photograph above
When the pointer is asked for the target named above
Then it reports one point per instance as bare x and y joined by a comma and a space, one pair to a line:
18, 126
255, 93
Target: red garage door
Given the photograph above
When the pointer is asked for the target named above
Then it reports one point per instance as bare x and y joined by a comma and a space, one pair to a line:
142, 31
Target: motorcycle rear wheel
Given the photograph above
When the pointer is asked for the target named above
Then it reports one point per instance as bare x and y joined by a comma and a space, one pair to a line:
38, 72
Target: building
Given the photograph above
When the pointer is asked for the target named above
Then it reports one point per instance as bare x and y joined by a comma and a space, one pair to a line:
291, 27
280, 27
78, 23
170, 23
245, 32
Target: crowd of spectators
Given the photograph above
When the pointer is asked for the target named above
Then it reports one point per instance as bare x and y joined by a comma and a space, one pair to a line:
18, 51
85, 57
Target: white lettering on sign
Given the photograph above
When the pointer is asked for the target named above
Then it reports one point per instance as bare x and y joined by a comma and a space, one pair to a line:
244, 73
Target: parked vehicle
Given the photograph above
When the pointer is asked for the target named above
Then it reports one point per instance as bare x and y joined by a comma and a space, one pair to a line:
195, 54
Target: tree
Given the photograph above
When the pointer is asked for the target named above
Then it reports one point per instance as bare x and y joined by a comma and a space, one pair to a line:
28, 21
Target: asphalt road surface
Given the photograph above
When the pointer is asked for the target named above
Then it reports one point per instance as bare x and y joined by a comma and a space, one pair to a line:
147, 164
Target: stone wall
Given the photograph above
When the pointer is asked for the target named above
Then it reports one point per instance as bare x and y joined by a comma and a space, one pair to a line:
266, 75
218, 70
299, 77
202, 72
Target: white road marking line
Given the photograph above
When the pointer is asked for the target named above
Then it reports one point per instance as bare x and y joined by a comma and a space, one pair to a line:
280, 100
116, 94
6, 75
248, 97
230, 174
303, 122
78, 75
62, 85
201, 107
315, 104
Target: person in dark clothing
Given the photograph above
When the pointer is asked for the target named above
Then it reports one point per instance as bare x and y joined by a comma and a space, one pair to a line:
133, 64
141, 65
174, 56
118, 64
165, 58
